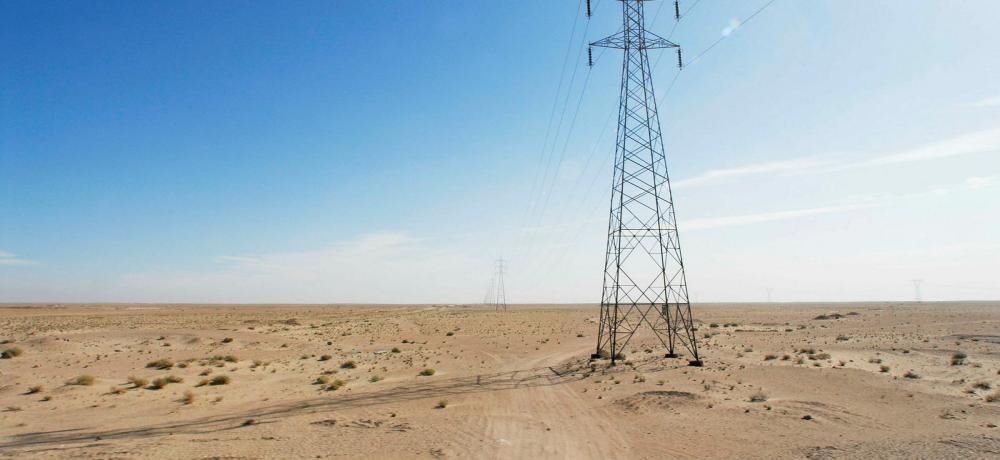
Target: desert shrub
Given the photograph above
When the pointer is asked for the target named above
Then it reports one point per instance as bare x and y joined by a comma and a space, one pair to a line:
875, 360
219, 380
84, 380
994, 397
335, 385
450, 333
321, 380
958, 359
230, 359
769, 357
161, 382
325, 358
161, 364
843, 338
34, 389
819, 356
137, 382
883, 368
227, 340
375, 378
395, 349
713, 325
12, 352
442, 404
911, 375
982, 385
349, 364
188, 397
427, 372
758, 397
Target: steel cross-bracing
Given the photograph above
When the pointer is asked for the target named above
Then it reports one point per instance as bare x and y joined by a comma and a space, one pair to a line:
644, 279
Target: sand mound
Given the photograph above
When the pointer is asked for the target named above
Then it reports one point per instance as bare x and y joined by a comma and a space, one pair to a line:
656, 400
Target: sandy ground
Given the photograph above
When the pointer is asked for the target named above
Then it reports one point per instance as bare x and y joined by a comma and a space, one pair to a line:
777, 383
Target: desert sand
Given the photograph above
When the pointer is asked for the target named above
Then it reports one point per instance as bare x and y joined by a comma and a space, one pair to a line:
858, 380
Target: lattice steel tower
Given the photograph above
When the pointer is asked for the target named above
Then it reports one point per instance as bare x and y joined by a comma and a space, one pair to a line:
644, 280
497, 294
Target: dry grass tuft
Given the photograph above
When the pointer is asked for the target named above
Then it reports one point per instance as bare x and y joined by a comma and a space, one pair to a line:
161, 364
138, 382
84, 380
161, 382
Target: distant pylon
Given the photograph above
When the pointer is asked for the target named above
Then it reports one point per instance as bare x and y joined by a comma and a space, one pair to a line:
916, 290
644, 278
496, 296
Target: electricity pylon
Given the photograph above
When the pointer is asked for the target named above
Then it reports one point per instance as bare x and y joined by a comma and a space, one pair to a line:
644, 279
916, 290
497, 294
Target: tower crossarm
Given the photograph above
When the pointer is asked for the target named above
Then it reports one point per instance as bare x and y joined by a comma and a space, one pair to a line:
621, 41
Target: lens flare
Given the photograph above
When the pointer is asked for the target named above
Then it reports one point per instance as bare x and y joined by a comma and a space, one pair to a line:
733, 25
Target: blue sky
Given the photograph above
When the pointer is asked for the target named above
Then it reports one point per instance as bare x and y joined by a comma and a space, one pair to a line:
389, 152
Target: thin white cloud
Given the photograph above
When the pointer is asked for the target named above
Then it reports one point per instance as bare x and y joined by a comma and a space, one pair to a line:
976, 142
987, 102
859, 202
719, 222
377, 267
979, 183
789, 167
983, 141
7, 258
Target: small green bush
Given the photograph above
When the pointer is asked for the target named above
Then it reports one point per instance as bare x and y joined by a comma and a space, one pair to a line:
427, 372
12, 352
